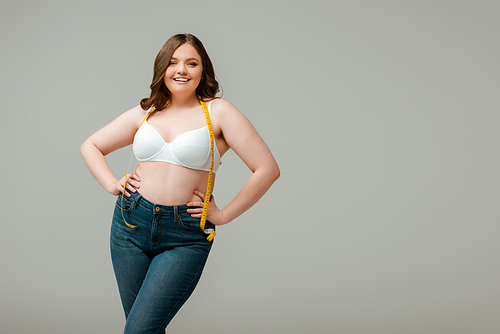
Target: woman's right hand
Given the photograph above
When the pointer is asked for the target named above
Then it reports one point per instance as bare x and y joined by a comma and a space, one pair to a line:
133, 183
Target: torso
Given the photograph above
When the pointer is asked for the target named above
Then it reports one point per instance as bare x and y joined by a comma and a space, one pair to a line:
168, 184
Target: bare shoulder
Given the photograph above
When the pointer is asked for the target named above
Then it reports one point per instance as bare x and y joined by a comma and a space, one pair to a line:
128, 122
136, 111
133, 117
223, 109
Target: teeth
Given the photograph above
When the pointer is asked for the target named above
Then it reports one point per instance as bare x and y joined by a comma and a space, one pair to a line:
179, 79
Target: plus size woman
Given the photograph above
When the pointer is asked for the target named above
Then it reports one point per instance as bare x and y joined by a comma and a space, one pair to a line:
159, 239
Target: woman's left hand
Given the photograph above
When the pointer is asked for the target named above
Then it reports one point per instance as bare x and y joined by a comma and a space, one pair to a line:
214, 215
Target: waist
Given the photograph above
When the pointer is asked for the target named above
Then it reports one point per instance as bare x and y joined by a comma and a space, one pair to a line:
167, 210
167, 184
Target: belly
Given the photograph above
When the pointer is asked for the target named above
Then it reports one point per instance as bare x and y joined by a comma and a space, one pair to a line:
167, 184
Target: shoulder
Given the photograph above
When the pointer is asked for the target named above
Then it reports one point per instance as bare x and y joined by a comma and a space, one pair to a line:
138, 111
228, 116
221, 103
134, 114
223, 108
130, 119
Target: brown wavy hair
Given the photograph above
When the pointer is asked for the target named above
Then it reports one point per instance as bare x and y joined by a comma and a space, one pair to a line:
160, 95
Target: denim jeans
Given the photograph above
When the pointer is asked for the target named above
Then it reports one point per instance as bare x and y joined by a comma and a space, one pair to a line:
158, 263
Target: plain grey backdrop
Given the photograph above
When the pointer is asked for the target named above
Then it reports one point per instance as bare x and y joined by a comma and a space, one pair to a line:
384, 119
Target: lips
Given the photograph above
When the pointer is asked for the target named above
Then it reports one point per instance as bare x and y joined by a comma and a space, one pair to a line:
181, 79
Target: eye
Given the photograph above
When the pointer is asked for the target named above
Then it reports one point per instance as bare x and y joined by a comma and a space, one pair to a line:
193, 64
171, 63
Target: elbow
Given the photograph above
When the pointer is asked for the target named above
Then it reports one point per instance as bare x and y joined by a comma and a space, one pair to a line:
87, 148
274, 172
269, 173
84, 149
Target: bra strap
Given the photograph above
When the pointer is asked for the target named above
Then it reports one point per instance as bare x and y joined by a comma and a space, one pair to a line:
150, 111
208, 193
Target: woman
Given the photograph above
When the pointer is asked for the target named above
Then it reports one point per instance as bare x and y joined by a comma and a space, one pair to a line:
158, 247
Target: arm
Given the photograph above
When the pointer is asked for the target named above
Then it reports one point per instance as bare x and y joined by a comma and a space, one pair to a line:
117, 134
243, 139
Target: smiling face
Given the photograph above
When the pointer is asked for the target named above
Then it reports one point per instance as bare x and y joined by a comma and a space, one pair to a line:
183, 75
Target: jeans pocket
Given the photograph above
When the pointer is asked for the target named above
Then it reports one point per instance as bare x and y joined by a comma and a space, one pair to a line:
194, 232
189, 223
123, 203
193, 224
122, 210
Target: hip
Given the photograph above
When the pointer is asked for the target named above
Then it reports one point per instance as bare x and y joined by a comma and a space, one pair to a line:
155, 227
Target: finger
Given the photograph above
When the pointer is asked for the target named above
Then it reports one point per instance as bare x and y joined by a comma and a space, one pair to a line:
124, 191
130, 187
197, 210
200, 194
134, 183
127, 178
196, 215
195, 204
135, 177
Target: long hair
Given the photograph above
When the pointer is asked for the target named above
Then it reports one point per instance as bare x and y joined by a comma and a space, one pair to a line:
160, 96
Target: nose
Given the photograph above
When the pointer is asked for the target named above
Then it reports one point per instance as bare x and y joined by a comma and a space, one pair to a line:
181, 68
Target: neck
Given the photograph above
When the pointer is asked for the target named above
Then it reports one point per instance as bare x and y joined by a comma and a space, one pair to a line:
184, 101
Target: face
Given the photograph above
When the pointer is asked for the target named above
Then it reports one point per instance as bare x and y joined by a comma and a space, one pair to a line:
183, 75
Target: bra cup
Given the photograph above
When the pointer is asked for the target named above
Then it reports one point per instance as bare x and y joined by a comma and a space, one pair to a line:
147, 143
191, 156
187, 150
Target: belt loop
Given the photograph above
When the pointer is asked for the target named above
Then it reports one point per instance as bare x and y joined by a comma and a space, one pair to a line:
176, 213
134, 203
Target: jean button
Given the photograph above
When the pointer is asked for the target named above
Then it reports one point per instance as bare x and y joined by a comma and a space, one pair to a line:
157, 209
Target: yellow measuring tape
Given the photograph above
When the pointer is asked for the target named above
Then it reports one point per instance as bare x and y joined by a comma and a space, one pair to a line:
208, 193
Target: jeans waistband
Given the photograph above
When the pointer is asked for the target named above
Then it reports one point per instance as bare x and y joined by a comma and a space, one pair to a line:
169, 210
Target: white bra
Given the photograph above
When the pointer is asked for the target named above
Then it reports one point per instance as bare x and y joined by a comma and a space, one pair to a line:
190, 149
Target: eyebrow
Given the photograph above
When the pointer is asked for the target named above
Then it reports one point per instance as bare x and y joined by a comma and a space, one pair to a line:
186, 59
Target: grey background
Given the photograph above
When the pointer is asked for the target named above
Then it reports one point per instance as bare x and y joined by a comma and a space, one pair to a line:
383, 116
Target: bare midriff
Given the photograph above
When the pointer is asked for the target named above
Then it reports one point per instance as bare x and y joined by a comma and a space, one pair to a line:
168, 184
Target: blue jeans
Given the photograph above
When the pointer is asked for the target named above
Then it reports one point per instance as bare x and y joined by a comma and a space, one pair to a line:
158, 263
